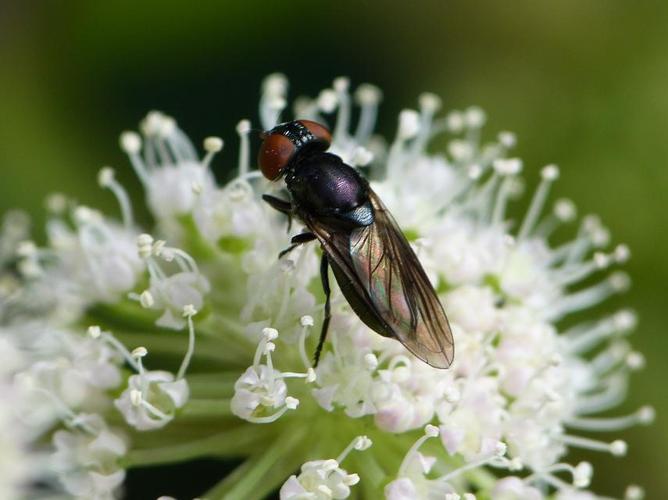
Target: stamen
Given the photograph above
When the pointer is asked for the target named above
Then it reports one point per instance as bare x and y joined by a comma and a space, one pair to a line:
564, 211
644, 415
188, 312
508, 169
549, 174
367, 96
613, 394
96, 332
212, 145
327, 101
106, 179
360, 443
634, 492
409, 125
131, 144
498, 452
429, 105
290, 404
341, 85
56, 203
583, 299
243, 129
430, 431
272, 101
584, 337
617, 448
610, 357
307, 323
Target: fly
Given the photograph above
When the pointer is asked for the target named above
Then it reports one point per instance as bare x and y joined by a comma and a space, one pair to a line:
378, 272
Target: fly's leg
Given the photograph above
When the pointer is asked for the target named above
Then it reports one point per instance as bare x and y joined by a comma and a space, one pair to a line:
298, 239
324, 276
285, 207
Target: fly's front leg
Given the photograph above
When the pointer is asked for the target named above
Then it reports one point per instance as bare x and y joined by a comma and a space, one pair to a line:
297, 240
285, 207
324, 276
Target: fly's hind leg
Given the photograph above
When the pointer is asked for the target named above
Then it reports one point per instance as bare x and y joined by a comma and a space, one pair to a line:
324, 276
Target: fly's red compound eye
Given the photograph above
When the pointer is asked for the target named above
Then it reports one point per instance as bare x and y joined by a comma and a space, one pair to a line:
275, 154
285, 141
320, 132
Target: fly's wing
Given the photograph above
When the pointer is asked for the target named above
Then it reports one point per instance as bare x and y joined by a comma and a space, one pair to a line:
386, 276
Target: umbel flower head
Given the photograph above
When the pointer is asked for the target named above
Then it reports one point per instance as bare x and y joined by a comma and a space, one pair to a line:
132, 346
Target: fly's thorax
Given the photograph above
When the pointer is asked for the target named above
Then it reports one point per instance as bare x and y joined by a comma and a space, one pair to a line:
321, 184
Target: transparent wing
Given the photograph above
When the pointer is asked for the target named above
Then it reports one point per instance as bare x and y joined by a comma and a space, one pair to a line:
387, 286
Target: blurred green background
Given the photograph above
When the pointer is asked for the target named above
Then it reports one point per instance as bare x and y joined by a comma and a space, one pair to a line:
583, 84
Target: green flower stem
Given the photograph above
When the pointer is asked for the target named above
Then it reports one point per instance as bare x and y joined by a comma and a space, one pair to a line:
175, 344
124, 314
264, 471
238, 441
197, 245
483, 478
206, 408
373, 476
212, 385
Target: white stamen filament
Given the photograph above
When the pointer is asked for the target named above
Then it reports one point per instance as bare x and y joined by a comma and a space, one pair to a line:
107, 179
613, 393
360, 443
243, 129
644, 415
487, 459
307, 323
616, 448
341, 85
212, 145
368, 97
131, 143
188, 312
549, 175
430, 431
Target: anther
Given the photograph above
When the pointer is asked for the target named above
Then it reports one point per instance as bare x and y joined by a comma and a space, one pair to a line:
105, 176
213, 144
429, 102
409, 124
291, 403
136, 397
189, 311
565, 210
341, 84
139, 352
130, 142
269, 334
94, 331
475, 117
367, 94
146, 299
362, 443
508, 166
507, 139
327, 100
371, 361
431, 431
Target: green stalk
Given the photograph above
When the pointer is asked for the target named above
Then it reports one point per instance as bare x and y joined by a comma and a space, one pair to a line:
234, 442
206, 408
264, 471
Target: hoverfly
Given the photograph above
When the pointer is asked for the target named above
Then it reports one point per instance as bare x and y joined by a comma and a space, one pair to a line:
373, 263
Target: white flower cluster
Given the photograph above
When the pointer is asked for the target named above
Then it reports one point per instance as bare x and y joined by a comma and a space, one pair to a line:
497, 424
